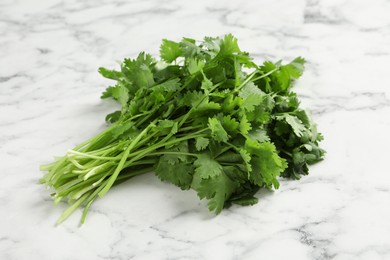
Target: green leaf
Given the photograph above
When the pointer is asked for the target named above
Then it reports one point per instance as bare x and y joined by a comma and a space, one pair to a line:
170, 50
217, 130
229, 157
231, 103
229, 45
207, 85
110, 74
230, 124
119, 93
189, 48
108, 92
244, 126
201, 143
216, 189
295, 123
266, 163
170, 85
179, 173
113, 117
295, 68
195, 65
252, 96
199, 102
246, 201
138, 72
207, 107
213, 45
245, 155
179, 153
250, 89
281, 79
192, 98
168, 126
125, 131
207, 167
259, 134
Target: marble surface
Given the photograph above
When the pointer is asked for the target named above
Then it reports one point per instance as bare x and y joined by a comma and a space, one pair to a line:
49, 101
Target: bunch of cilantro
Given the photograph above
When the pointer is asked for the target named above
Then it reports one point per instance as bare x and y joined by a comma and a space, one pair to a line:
204, 117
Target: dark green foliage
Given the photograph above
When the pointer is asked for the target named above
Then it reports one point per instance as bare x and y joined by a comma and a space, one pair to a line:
205, 117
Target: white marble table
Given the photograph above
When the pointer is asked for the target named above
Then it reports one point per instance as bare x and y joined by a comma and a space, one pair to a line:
49, 101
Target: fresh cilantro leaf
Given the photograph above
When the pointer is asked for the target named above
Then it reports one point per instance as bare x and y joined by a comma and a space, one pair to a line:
207, 167
216, 189
138, 72
170, 85
119, 93
207, 85
231, 103
229, 157
266, 163
217, 130
259, 135
108, 92
229, 45
169, 50
113, 117
110, 74
168, 126
201, 143
244, 126
124, 131
245, 155
295, 68
179, 173
212, 45
230, 124
189, 48
195, 65
246, 201
252, 96
177, 153
295, 123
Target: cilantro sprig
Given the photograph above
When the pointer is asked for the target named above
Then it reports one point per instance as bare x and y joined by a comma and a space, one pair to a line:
204, 117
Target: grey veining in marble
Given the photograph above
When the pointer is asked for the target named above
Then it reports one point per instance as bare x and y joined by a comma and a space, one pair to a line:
49, 102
